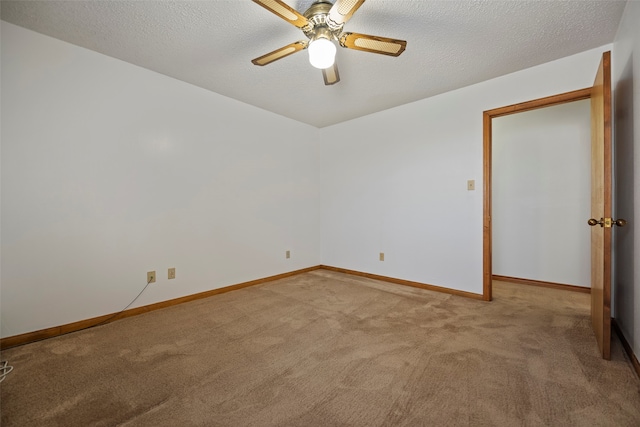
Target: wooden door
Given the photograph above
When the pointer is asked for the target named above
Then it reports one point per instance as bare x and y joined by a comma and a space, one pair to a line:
601, 206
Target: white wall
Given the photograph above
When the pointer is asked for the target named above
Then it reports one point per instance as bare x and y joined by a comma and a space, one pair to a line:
541, 194
626, 83
110, 170
396, 181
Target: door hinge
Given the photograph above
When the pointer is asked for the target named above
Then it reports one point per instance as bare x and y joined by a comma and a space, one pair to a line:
607, 222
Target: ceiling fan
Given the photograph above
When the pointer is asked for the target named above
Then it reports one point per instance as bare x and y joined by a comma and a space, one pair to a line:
322, 23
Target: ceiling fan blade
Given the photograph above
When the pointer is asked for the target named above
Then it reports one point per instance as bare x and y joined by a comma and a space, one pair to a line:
374, 44
280, 53
342, 10
284, 11
331, 75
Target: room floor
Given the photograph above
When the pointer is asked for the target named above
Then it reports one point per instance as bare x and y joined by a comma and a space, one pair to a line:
325, 348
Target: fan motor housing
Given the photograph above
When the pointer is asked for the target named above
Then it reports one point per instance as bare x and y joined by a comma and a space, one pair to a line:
320, 24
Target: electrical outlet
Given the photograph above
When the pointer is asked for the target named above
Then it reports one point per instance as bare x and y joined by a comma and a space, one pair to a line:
381, 256
151, 277
288, 254
471, 185
172, 273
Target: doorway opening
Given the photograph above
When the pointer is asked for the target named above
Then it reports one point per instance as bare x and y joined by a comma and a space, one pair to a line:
488, 117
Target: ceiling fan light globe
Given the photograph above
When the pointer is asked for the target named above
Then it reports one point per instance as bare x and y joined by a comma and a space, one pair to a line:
322, 53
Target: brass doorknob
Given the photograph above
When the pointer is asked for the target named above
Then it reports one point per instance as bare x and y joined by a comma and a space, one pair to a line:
607, 222
593, 222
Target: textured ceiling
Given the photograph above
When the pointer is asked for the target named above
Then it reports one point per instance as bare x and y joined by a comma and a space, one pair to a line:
450, 44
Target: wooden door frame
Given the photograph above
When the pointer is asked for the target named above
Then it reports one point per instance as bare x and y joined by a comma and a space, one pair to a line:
487, 116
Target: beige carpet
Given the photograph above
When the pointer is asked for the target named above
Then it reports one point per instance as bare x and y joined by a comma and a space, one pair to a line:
328, 349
